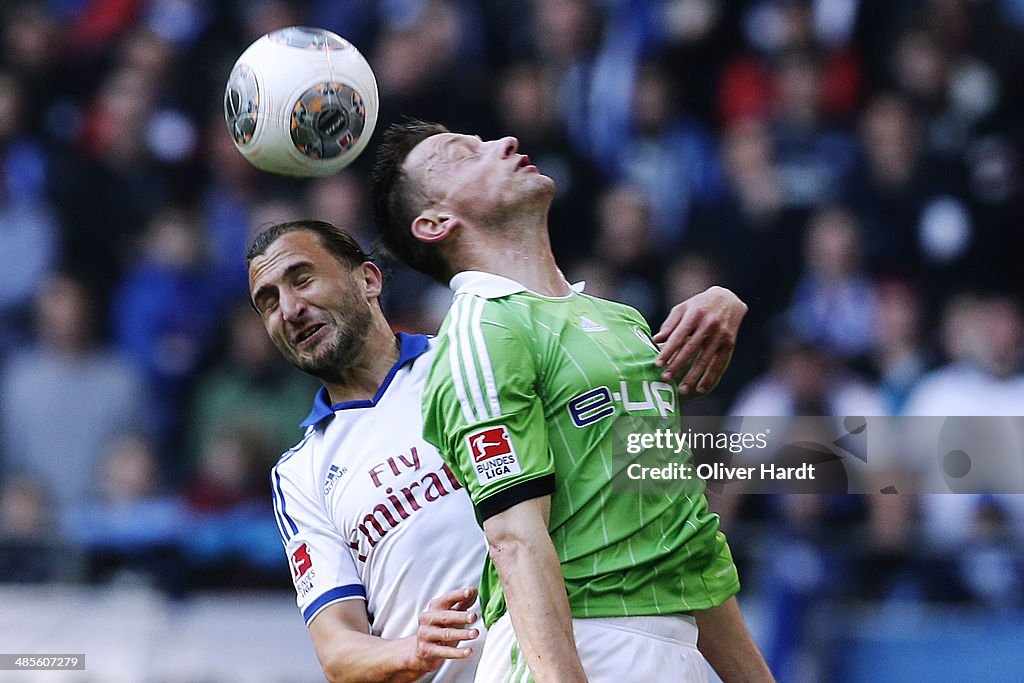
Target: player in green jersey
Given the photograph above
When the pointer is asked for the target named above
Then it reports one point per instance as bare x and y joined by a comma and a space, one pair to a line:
530, 378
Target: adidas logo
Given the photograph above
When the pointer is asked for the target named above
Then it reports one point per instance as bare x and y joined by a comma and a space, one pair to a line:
589, 325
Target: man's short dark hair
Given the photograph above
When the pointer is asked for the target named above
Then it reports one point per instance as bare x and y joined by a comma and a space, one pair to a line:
397, 201
338, 241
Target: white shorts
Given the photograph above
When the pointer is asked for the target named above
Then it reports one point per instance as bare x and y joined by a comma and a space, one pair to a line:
612, 650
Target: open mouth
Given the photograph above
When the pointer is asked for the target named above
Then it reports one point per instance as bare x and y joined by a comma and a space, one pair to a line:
307, 332
524, 162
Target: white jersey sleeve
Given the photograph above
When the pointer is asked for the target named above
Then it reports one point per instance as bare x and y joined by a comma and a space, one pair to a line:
321, 563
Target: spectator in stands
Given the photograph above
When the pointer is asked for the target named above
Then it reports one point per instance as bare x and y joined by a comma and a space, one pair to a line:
906, 200
690, 275
984, 342
109, 192
28, 229
30, 47
899, 356
357, 20
264, 16
626, 245
805, 378
29, 542
341, 199
24, 512
753, 214
164, 313
229, 197
950, 87
64, 397
428, 65
773, 29
527, 104
815, 158
250, 387
24, 166
987, 567
170, 136
131, 529
232, 541
834, 301
231, 470
593, 58
666, 148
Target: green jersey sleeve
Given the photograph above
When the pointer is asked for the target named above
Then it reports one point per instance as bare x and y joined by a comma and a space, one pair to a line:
481, 407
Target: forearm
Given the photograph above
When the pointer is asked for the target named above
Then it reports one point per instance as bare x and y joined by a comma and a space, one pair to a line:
727, 645
531, 578
353, 657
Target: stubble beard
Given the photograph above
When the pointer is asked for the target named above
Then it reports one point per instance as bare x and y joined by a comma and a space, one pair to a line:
334, 357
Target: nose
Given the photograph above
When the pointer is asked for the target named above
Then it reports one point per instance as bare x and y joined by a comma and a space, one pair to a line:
293, 308
508, 146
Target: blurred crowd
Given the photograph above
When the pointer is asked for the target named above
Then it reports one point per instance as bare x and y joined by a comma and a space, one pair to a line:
851, 169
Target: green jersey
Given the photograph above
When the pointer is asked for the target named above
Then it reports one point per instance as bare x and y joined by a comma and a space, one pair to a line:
521, 403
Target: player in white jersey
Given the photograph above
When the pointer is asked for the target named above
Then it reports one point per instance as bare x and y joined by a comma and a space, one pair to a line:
369, 511
384, 550
382, 540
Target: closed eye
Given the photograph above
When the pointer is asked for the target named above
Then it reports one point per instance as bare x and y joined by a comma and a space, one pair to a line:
266, 304
461, 149
463, 155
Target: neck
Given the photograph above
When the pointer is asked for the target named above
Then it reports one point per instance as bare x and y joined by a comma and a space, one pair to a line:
518, 252
362, 380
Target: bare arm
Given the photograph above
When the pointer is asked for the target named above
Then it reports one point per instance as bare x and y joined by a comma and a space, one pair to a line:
347, 651
531, 577
726, 643
701, 330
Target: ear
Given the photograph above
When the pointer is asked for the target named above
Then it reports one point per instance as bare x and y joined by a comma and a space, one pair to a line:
372, 279
434, 226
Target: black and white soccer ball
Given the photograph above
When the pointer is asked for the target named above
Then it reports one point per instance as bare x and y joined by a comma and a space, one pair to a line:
301, 102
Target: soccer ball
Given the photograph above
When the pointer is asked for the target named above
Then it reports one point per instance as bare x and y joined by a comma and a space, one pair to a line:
301, 102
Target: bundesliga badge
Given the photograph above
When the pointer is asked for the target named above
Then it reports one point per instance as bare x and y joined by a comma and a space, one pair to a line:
494, 457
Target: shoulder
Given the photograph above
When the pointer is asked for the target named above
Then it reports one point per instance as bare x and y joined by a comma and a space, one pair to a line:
943, 391
117, 366
611, 305
765, 395
855, 395
617, 311
475, 324
23, 364
472, 309
288, 461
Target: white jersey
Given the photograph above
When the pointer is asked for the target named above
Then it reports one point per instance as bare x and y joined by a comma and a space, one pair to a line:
368, 510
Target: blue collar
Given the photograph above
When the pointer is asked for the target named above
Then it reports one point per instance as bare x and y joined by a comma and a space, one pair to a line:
411, 346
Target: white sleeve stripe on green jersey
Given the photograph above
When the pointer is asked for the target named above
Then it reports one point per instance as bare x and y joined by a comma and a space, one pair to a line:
468, 413
463, 325
485, 359
468, 350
